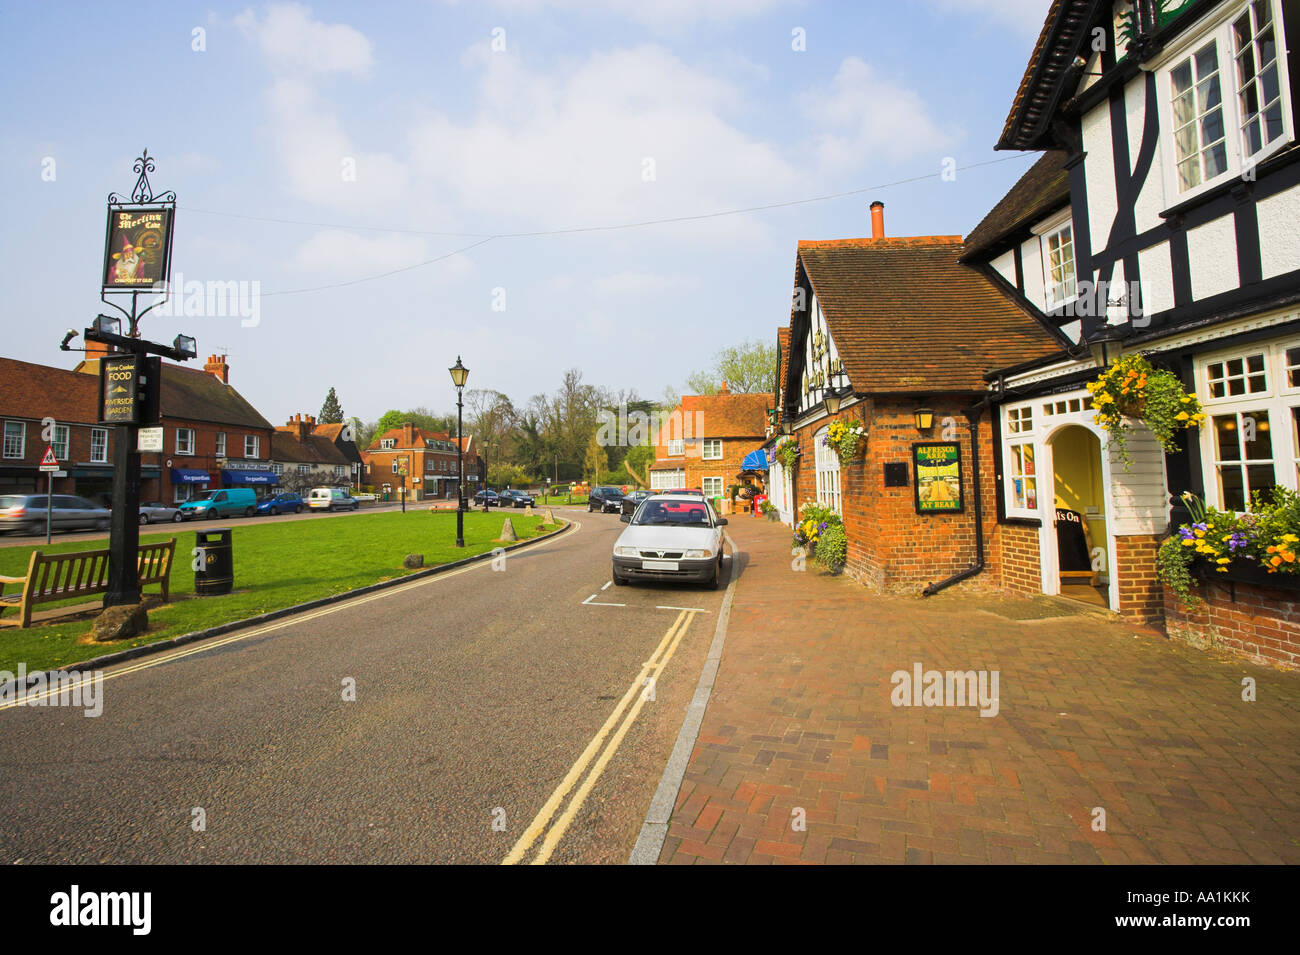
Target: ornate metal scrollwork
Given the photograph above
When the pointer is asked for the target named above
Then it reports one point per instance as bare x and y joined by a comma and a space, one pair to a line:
143, 192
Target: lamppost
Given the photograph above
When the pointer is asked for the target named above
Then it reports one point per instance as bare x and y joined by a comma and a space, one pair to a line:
459, 375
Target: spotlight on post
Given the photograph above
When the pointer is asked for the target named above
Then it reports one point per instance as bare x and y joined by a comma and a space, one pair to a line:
107, 325
459, 375
184, 345
68, 336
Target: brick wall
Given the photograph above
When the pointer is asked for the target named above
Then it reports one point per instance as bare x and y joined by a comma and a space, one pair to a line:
1141, 595
891, 547
1021, 560
1258, 623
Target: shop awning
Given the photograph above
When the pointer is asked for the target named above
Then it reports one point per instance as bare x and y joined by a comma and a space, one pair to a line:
756, 460
190, 476
248, 477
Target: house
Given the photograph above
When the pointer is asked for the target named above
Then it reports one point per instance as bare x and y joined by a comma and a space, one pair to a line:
304, 459
30, 393
429, 459
895, 335
705, 439
342, 437
1173, 125
212, 436
780, 489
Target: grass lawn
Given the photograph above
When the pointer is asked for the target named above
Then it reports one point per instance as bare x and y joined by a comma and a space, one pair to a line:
277, 565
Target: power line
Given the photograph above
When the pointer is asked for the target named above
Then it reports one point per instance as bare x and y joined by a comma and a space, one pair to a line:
486, 237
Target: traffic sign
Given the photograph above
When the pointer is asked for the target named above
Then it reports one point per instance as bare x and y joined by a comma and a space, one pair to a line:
49, 462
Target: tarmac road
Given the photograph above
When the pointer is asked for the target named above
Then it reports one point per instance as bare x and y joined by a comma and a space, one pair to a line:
475, 694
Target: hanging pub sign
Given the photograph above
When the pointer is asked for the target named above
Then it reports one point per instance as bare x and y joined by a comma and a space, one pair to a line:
119, 384
138, 247
938, 478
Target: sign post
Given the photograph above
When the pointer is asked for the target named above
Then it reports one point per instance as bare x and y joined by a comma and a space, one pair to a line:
50, 465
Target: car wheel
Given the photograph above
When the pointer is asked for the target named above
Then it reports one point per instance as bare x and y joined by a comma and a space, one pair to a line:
212, 514
619, 581
101, 525
298, 509
144, 518
274, 511
178, 518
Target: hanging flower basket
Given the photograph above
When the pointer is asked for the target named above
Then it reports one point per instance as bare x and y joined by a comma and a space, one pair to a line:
787, 452
846, 439
1132, 390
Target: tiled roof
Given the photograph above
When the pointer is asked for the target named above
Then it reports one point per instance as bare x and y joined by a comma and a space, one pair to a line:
314, 449
200, 396
330, 431
906, 316
1044, 188
1065, 28
35, 391
730, 415
783, 357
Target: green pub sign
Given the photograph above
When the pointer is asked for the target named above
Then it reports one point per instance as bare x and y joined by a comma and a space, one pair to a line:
938, 478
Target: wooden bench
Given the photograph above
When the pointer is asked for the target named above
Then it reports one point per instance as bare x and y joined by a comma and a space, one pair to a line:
52, 577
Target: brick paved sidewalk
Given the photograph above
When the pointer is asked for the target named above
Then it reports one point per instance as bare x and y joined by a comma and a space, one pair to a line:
1091, 714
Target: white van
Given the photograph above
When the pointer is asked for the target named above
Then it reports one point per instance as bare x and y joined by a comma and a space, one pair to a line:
331, 499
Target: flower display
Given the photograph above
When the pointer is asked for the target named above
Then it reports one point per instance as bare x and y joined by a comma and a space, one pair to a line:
1133, 389
787, 452
845, 438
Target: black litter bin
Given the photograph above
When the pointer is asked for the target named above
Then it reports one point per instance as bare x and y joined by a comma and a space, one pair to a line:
214, 563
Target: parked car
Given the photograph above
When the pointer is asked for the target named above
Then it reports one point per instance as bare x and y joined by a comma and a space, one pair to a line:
331, 499
228, 503
633, 499
158, 511
670, 537
488, 496
514, 499
605, 498
25, 513
285, 503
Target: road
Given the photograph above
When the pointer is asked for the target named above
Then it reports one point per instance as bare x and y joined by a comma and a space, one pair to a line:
476, 693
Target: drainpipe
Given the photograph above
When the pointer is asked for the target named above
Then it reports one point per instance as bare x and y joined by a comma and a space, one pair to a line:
973, 415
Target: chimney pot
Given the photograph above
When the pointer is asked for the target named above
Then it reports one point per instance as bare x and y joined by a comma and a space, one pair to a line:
877, 220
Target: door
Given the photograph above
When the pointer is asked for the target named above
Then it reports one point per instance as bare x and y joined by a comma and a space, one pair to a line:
1081, 534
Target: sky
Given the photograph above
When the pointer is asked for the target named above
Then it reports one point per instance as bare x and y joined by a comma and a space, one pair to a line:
394, 185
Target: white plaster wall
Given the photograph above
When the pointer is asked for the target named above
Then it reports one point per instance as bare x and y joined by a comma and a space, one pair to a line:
1031, 261
1006, 266
1151, 194
1118, 288
1279, 233
1140, 502
1212, 256
1099, 172
1157, 278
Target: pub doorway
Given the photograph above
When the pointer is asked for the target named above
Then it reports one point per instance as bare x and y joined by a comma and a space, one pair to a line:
1079, 516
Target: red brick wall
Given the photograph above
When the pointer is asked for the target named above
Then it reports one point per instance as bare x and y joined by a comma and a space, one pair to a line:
1021, 560
1261, 624
1141, 595
891, 547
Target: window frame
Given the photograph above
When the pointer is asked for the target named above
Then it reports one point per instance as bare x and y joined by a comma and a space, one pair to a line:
1049, 286
704, 449
256, 452
188, 450
61, 443
22, 440
1015, 434
827, 471
221, 444
102, 457
1221, 33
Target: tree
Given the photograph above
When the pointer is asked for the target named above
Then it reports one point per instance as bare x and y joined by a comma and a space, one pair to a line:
331, 412
594, 462
746, 368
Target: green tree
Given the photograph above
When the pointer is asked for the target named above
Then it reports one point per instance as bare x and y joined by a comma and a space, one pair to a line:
746, 368
331, 412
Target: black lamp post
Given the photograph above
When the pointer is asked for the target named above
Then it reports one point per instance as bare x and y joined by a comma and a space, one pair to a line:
459, 375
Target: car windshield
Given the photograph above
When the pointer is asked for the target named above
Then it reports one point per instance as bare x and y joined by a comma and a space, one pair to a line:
205, 497
683, 513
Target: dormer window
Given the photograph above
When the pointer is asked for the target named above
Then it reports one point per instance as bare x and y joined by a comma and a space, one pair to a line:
388, 443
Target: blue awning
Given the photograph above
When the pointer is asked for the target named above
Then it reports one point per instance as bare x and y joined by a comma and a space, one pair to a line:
248, 477
190, 476
754, 461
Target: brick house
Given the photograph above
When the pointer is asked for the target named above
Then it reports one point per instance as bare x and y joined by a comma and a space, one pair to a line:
212, 436
430, 459
341, 436
706, 438
881, 329
84, 448
304, 459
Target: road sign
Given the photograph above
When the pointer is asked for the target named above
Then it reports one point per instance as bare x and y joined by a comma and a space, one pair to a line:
49, 462
150, 439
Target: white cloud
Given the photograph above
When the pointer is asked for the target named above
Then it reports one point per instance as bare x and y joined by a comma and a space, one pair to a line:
864, 116
1025, 16
659, 14
294, 43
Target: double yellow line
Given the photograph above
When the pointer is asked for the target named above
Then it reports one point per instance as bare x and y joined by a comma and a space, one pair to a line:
637, 692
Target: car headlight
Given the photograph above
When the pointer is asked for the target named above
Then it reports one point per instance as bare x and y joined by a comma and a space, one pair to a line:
625, 552
698, 553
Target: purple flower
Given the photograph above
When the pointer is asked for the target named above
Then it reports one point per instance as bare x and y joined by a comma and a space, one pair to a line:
1185, 533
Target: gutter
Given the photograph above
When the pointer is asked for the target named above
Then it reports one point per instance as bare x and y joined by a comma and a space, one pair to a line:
973, 415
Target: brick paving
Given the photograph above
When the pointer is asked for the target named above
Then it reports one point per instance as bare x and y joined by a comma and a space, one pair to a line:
1092, 713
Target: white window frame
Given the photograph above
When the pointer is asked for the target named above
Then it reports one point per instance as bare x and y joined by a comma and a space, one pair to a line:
664, 480
713, 481
185, 447
17, 430
1019, 430
340, 471
98, 445
676, 448
1220, 33
388, 443
277, 469
715, 443
252, 446
827, 464
62, 439
1277, 400
1070, 285
221, 444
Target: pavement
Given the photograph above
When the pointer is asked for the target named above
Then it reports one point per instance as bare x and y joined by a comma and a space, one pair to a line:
1109, 744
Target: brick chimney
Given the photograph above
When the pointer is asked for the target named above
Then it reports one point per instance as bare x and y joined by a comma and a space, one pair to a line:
97, 350
723, 390
298, 427
877, 220
408, 435
217, 366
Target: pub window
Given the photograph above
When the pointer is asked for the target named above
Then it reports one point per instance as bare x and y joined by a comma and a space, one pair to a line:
1232, 377
828, 472
1022, 486
1020, 420
1243, 457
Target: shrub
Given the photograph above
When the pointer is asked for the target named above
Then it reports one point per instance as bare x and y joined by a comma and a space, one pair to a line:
833, 548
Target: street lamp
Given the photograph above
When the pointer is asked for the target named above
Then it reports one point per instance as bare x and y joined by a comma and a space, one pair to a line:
460, 375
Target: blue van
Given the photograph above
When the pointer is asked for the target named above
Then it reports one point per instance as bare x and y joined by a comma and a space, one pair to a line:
231, 502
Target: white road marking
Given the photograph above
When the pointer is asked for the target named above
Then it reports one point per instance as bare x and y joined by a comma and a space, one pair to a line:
607, 583
592, 602
696, 609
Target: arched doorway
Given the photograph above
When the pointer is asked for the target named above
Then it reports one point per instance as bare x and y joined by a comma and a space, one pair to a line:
1081, 535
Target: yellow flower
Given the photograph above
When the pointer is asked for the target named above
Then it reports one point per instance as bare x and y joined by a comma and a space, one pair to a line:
1181, 416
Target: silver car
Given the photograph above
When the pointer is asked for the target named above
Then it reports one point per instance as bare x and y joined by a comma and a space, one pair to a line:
25, 513
158, 511
670, 537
